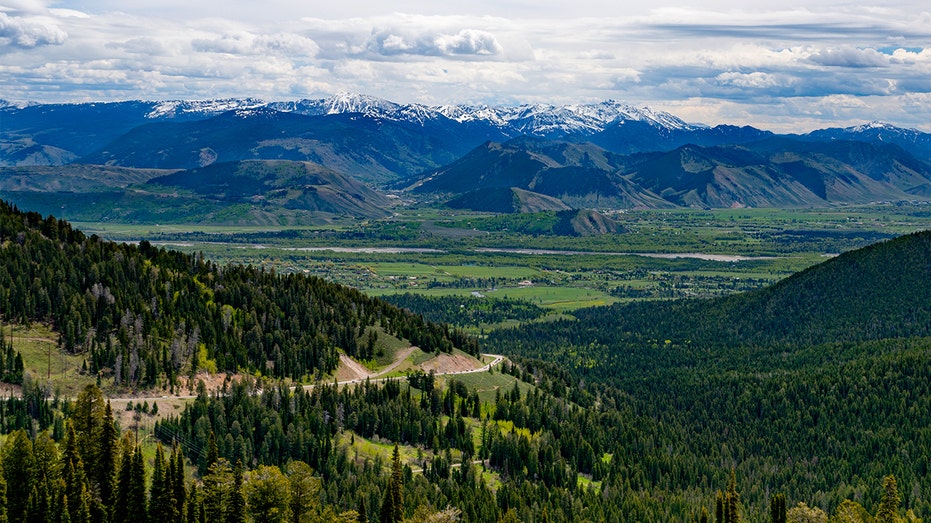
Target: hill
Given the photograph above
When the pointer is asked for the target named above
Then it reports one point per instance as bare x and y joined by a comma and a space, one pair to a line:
580, 175
776, 172
568, 222
296, 186
142, 316
812, 377
506, 200
252, 192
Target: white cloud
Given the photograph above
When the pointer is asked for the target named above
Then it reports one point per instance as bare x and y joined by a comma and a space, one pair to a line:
752, 63
245, 43
755, 80
29, 32
464, 43
849, 57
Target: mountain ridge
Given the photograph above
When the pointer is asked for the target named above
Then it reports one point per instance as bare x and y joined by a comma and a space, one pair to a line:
776, 172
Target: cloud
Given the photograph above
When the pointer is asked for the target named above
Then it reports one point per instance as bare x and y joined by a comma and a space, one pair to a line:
142, 46
465, 43
28, 33
244, 43
849, 57
748, 62
755, 80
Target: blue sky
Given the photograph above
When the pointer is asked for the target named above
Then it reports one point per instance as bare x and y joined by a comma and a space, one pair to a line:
774, 65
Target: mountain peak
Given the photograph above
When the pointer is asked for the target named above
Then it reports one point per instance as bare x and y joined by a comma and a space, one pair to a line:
875, 125
543, 120
176, 108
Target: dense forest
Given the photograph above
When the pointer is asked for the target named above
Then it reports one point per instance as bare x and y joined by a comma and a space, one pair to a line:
801, 402
279, 457
145, 315
467, 310
814, 385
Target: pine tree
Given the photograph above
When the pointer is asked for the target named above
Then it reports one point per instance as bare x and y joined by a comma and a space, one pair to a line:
305, 490
39, 506
159, 493
889, 506
63, 514
392, 507
119, 512
75, 479
719, 507
218, 482
236, 505
194, 507
18, 470
362, 517
136, 507
211, 454
104, 473
87, 418
732, 501
777, 508
178, 493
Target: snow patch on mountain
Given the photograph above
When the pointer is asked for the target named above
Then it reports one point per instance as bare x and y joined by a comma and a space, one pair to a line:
175, 108
540, 120
6, 104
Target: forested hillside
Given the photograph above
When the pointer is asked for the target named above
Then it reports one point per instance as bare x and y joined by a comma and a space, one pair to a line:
808, 386
143, 315
815, 389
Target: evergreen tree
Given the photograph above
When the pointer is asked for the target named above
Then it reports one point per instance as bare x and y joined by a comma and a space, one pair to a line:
161, 507
392, 507
777, 508
236, 506
509, 517
194, 505
889, 506
18, 470
87, 418
732, 501
218, 483
211, 454
119, 510
179, 495
305, 490
74, 479
104, 470
39, 506
719, 507
268, 495
64, 515
362, 516
137, 508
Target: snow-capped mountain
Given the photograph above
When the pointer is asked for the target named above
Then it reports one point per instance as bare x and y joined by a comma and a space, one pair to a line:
917, 142
374, 139
176, 108
535, 120
540, 120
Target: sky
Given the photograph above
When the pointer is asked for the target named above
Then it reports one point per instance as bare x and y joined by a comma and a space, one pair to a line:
786, 67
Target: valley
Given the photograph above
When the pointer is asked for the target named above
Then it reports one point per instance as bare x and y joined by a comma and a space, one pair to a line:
593, 312
660, 255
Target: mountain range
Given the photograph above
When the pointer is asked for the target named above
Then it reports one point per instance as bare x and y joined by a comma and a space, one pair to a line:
544, 157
